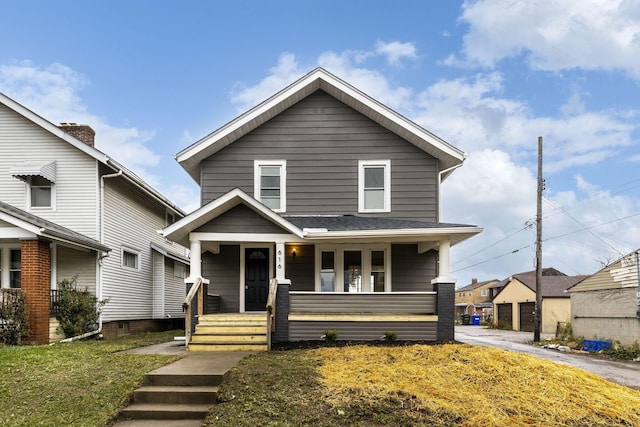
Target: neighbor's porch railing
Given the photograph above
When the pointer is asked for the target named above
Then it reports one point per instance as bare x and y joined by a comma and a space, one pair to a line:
271, 310
197, 290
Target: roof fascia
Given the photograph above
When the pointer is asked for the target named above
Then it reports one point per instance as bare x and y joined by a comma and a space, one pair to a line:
181, 229
456, 235
190, 157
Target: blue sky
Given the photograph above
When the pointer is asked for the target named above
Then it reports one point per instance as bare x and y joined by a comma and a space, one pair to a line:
489, 76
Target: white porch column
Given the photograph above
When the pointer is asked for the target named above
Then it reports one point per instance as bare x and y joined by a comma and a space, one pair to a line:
280, 263
195, 257
444, 276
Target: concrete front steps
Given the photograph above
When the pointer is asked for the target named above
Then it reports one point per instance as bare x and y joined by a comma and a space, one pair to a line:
230, 332
179, 397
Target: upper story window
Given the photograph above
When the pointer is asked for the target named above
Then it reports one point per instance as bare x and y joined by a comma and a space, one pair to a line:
374, 186
40, 192
484, 293
270, 183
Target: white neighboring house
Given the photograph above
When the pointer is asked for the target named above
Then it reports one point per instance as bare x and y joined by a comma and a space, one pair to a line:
67, 209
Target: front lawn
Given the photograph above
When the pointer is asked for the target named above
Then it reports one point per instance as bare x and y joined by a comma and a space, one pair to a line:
439, 385
73, 384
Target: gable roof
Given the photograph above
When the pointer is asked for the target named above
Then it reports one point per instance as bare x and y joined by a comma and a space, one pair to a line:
41, 227
622, 273
472, 286
554, 284
88, 150
449, 157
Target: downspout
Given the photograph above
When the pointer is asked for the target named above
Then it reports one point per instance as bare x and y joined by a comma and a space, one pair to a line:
101, 257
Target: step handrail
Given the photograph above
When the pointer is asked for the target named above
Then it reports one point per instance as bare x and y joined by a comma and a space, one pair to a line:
196, 289
271, 309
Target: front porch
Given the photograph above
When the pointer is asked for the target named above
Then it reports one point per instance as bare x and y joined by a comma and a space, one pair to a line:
305, 316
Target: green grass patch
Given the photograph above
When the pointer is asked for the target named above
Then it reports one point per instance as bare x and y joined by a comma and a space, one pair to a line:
74, 384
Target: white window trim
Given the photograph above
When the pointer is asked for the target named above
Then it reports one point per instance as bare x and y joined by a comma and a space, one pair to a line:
283, 181
366, 249
362, 164
40, 208
5, 260
124, 249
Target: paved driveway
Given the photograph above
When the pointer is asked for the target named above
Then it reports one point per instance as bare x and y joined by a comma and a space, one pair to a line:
622, 372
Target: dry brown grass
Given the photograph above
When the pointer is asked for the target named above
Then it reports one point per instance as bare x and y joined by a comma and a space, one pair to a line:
464, 385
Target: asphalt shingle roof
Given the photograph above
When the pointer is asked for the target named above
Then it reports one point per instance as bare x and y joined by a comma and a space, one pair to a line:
353, 223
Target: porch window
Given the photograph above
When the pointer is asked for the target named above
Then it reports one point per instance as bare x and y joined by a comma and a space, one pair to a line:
352, 271
270, 183
328, 271
374, 186
358, 268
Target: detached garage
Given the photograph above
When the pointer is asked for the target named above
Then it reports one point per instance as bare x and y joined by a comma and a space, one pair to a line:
515, 303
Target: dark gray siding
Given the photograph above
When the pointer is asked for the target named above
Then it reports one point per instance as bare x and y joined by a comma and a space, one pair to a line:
303, 331
240, 219
223, 270
363, 303
411, 271
301, 270
322, 140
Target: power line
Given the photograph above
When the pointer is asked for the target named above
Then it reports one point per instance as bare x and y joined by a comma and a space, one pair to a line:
491, 245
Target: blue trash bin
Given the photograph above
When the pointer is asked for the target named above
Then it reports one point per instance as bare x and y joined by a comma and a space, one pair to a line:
475, 320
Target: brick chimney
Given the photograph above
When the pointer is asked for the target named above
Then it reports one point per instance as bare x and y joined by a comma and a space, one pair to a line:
83, 133
474, 281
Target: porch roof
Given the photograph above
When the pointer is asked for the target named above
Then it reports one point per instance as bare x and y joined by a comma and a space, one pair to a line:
37, 226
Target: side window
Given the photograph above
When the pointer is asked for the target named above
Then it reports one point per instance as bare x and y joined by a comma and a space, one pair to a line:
270, 183
40, 192
130, 259
374, 186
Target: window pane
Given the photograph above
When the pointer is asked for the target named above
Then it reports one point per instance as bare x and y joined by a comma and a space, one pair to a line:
327, 272
40, 197
129, 259
270, 181
269, 171
374, 177
374, 199
270, 193
15, 264
377, 271
271, 202
352, 271
15, 280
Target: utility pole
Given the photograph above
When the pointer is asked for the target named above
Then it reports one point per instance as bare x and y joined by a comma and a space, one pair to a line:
538, 314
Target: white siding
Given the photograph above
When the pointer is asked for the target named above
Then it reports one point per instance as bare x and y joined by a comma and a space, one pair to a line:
76, 187
174, 291
158, 285
80, 264
131, 220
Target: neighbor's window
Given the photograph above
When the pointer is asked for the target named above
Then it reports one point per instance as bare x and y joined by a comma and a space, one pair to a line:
270, 183
483, 293
15, 268
374, 186
130, 259
40, 190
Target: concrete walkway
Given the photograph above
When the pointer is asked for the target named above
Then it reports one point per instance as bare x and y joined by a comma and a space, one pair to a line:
621, 372
193, 368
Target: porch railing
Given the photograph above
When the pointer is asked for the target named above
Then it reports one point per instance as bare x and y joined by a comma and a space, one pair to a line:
55, 302
271, 310
196, 290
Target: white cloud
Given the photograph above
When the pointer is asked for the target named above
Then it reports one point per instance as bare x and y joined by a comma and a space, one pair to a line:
396, 51
52, 92
554, 34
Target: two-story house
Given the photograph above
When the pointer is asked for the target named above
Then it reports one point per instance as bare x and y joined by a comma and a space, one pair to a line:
337, 197
68, 210
475, 299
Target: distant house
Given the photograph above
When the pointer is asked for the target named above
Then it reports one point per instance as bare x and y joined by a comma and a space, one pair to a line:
515, 303
336, 197
475, 298
606, 305
68, 210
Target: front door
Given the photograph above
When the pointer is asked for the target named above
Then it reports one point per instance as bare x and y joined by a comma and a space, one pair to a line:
256, 278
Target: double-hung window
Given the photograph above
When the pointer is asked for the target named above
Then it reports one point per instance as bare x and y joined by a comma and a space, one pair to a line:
40, 192
374, 186
353, 269
270, 183
130, 259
